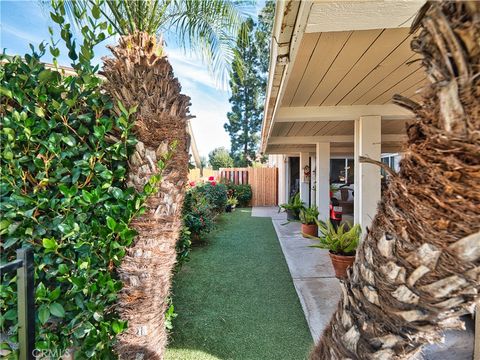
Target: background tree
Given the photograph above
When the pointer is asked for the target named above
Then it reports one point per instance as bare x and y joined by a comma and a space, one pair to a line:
418, 268
248, 82
140, 75
203, 161
263, 36
220, 158
245, 119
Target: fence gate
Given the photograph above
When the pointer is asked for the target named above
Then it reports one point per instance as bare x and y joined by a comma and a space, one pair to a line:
264, 183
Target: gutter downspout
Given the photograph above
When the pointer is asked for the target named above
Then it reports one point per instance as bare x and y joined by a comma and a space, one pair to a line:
282, 54
276, 30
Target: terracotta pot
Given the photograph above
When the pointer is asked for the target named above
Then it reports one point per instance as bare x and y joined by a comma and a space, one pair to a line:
341, 263
310, 229
292, 215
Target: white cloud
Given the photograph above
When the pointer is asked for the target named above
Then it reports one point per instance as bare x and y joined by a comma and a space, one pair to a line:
209, 101
191, 69
210, 108
29, 37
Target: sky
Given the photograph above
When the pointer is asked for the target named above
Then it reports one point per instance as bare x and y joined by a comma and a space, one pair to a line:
26, 22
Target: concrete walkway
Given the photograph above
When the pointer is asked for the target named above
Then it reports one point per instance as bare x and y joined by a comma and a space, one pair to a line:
311, 270
319, 290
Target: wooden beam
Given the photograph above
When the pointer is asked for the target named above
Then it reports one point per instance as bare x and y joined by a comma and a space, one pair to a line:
351, 15
300, 140
341, 113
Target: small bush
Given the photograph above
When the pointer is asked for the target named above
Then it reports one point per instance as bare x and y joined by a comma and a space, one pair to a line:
243, 193
197, 213
215, 195
183, 246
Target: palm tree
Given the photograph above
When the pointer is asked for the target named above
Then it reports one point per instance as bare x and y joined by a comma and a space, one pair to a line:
139, 74
418, 269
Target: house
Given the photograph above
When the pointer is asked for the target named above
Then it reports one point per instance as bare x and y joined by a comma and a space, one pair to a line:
334, 67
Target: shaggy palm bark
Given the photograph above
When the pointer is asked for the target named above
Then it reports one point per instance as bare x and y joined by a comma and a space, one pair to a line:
137, 75
417, 269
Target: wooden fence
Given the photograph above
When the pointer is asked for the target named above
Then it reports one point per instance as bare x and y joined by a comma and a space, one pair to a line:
234, 175
195, 174
264, 183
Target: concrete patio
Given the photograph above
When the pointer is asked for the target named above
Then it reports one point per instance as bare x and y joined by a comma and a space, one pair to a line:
311, 270
319, 290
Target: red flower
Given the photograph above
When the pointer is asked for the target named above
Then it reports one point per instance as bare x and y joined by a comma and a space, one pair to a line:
192, 183
211, 178
213, 183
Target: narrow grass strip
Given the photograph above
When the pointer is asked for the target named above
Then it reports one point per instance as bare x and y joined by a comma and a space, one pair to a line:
236, 298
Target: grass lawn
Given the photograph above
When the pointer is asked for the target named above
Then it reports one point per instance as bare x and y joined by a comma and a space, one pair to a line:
235, 299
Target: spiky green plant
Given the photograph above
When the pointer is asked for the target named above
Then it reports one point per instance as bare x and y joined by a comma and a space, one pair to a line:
309, 215
339, 241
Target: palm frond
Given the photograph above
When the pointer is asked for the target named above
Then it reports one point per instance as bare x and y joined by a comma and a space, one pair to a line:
209, 27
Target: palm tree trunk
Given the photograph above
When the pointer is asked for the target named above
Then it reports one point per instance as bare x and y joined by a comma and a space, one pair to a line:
418, 268
139, 75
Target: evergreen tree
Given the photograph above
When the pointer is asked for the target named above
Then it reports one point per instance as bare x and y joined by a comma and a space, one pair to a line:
248, 84
263, 37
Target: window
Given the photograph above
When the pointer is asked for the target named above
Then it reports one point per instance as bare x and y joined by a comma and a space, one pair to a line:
341, 171
393, 161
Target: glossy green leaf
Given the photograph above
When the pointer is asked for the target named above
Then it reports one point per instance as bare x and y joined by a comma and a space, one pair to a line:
49, 244
43, 314
57, 310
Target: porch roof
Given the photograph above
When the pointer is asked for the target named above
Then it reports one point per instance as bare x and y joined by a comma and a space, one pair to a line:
332, 62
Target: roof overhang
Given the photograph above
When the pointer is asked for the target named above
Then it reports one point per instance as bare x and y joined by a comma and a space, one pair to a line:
320, 48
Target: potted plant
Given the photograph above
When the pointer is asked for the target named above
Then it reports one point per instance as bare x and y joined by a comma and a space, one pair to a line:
342, 245
308, 218
232, 202
293, 207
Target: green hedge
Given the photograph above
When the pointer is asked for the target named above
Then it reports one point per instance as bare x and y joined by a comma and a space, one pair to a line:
63, 193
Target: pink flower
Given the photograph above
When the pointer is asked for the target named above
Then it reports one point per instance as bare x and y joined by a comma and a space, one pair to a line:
211, 178
192, 183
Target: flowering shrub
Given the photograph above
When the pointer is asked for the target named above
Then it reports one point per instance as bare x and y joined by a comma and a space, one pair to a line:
215, 194
197, 214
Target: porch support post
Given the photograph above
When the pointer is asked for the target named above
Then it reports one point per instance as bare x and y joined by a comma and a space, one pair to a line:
323, 180
368, 141
313, 178
304, 181
282, 179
